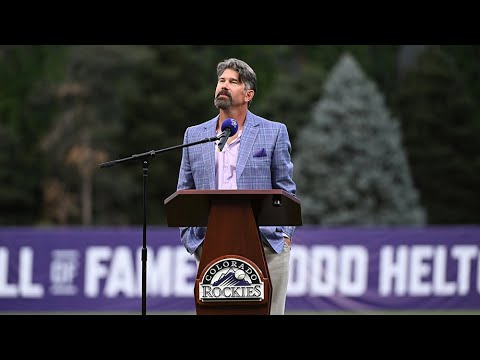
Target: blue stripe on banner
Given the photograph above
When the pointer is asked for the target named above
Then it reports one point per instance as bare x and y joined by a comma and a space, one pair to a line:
342, 269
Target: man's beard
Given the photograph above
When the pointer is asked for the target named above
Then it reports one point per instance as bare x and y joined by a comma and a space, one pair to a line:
223, 104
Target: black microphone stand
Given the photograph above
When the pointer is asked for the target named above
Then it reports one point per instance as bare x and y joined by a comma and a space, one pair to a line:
144, 158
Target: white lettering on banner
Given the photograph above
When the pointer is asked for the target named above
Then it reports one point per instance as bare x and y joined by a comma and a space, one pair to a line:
121, 279
421, 270
441, 286
353, 270
323, 270
63, 270
391, 270
299, 271
26, 288
464, 254
170, 272
319, 270
184, 271
6, 290
95, 270
159, 265
332, 270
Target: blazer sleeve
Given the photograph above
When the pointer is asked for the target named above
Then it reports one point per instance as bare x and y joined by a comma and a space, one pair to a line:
282, 178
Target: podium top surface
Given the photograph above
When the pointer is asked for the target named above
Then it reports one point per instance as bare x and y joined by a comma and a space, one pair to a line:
271, 207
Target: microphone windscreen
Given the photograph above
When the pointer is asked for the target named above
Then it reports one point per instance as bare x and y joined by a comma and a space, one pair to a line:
231, 124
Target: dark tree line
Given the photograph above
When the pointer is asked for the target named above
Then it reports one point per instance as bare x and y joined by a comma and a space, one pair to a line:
64, 109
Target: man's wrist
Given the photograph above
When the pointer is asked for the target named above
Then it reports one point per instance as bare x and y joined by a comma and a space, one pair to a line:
287, 239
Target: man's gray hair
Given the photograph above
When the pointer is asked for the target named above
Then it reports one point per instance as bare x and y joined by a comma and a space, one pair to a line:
246, 75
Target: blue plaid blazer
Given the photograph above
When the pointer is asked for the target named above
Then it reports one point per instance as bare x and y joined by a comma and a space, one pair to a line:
264, 162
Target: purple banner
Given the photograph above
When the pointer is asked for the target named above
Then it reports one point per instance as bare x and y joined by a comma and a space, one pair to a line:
344, 269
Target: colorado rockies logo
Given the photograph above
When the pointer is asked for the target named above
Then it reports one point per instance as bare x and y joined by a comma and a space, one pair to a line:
231, 279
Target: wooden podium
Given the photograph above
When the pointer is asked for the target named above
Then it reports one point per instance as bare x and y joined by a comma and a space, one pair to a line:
232, 277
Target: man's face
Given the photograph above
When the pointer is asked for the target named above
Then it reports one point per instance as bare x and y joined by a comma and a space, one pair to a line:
229, 91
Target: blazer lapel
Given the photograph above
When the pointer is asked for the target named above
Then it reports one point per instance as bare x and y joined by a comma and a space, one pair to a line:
249, 134
209, 153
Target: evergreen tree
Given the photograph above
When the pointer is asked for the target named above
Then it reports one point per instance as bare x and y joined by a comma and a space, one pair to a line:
350, 166
441, 134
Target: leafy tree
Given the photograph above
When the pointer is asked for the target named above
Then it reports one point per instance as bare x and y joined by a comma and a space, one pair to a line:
350, 166
89, 116
25, 72
176, 91
441, 134
11, 194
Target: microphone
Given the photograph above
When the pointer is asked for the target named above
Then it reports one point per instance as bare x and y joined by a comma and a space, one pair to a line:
229, 128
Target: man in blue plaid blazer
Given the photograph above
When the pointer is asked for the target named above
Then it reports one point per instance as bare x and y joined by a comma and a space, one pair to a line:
256, 157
